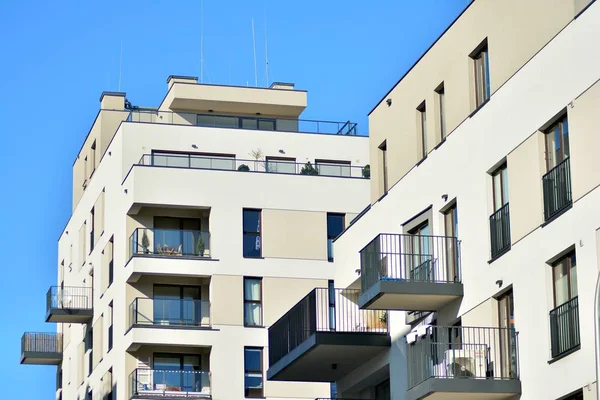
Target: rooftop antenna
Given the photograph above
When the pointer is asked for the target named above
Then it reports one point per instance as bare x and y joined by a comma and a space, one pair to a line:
120, 65
254, 47
201, 41
266, 50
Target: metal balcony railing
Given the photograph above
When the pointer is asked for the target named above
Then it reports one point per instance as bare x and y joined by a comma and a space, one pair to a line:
564, 327
322, 310
417, 258
557, 189
169, 312
154, 383
500, 231
223, 163
463, 353
244, 122
69, 298
169, 242
42, 342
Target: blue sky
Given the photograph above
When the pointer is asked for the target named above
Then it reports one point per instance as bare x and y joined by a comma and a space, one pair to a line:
58, 56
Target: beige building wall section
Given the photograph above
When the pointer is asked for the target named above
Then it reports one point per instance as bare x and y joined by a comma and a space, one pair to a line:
294, 234
506, 25
281, 294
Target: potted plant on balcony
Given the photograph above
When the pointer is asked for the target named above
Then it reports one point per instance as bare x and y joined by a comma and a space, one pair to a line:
366, 171
200, 246
244, 168
145, 242
308, 169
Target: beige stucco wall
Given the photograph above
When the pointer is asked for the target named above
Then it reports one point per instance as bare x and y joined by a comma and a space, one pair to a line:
525, 187
585, 163
281, 294
294, 234
227, 300
507, 25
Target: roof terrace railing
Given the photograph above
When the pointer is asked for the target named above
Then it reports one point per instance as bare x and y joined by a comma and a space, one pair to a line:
244, 122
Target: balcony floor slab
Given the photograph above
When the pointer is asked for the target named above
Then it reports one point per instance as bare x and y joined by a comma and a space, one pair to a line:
465, 389
403, 295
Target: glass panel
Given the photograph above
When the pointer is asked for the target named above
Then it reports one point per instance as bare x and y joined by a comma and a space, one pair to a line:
442, 97
565, 131
252, 360
253, 381
167, 292
252, 314
225, 122
505, 185
266, 125
497, 182
191, 363
251, 245
557, 145
167, 362
281, 166
191, 293
252, 289
200, 162
225, 163
561, 283
249, 123
486, 76
550, 161
573, 276
333, 169
335, 225
251, 221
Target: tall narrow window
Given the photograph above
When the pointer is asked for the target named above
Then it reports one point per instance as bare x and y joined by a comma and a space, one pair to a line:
107, 272
253, 372
82, 244
557, 180
110, 326
420, 249
451, 233
251, 233
383, 162
508, 348
564, 318
111, 261
500, 218
92, 223
331, 295
92, 158
441, 99
422, 114
481, 73
253, 302
335, 226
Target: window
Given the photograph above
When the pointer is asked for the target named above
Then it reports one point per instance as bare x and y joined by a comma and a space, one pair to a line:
422, 114
441, 100
333, 168
251, 233
331, 301
107, 273
421, 248
383, 162
451, 233
180, 372
335, 226
107, 389
110, 326
193, 160
253, 372
92, 222
564, 318
482, 74
253, 302
178, 305
89, 346
557, 143
508, 340
92, 158
281, 165
82, 244
500, 218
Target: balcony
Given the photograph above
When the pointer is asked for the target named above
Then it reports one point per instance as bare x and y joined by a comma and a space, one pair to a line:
69, 304
244, 122
564, 328
176, 243
169, 384
410, 272
324, 337
557, 190
224, 163
500, 231
463, 362
41, 348
170, 313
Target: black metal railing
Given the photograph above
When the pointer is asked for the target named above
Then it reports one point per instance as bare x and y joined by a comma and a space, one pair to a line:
154, 383
557, 189
462, 352
223, 163
417, 258
42, 342
244, 122
564, 327
169, 312
322, 310
69, 298
500, 231
169, 242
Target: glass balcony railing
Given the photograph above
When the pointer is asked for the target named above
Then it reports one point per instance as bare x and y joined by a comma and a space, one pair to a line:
153, 383
169, 242
69, 298
170, 312
244, 122
223, 163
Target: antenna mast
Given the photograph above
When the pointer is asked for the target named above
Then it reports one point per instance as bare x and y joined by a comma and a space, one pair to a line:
266, 50
201, 41
254, 48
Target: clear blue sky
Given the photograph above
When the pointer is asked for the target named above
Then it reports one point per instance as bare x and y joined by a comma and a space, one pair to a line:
58, 56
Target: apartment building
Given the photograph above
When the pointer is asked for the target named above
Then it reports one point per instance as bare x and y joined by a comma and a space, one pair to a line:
472, 274
195, 225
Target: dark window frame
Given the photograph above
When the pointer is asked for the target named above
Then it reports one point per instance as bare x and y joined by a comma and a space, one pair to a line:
250, 301
276, 159
248, 393
92, 227
110, 327
558, 263
331, 237
254, 233
559, 124
481, 70
499, 172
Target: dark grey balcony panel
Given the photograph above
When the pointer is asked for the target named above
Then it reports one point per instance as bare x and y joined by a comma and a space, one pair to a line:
41, 348
409, 295
465, 389
328, 356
